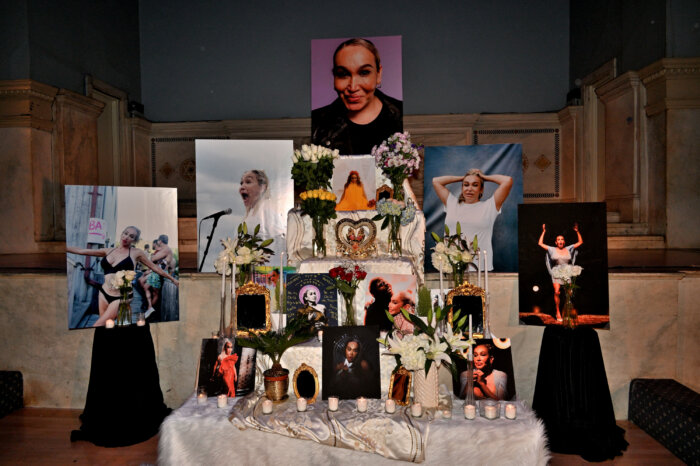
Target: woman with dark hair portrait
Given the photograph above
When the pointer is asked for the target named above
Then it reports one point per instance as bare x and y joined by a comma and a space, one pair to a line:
488, 382
351, 374
375, 311
475, 217
559, 255
225, 367
362, 116
122, 257
353, 197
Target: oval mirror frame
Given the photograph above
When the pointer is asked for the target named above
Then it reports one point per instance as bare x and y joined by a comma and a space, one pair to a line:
305, 370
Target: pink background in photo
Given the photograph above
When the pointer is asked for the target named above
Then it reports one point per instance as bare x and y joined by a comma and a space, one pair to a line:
322, 92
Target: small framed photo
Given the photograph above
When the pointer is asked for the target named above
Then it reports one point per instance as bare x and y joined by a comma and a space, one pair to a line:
252, 314
400, 386
492, 374
226, 368
351, 362
471, 301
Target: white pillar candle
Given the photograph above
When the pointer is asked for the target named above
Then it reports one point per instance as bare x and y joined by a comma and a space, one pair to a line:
486, 272
267, 406
447, 413
223, 281
320, 335
301, 404
390, 406
222, 401
470, 411
491, 411
201, 398
362, 404
416, 409
333, 403
442, 294
109, 323
233, 279
511, 411
478, 269
470, 327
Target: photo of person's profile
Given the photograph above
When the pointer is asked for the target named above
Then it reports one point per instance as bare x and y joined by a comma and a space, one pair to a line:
480, 188
356, 92
242, 181
392, 292
351, 362
113, 231
354, 183
556, 235
492, 375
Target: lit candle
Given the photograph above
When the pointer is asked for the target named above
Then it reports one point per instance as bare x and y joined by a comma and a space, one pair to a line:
267, 406
141, 320
109, 323
333, 403
490, 411
301, 404
511, 411
202, 397
470, 411
361, 404
222, 401
390, 406
447, 414
416, 409
320, 335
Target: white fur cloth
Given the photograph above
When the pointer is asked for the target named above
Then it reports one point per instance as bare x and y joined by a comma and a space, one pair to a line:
196, 434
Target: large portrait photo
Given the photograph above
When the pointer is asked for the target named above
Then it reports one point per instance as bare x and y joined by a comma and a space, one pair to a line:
356, 92
122, 245
351, 362
480, 188
492, 373
382, 292
242, 181
553, 238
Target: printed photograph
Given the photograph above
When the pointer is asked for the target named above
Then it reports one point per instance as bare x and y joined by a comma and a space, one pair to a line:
309, 294
480, 188
242, 181
492, 374
382, 292
354, 183
356, 92
557, 241
351, 362
225, 368
121, 244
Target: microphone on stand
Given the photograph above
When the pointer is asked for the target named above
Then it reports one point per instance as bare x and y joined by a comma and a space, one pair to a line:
219, 214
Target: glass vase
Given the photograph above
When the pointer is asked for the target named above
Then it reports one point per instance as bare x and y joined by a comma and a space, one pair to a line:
348, 298
394, 236
569, 316
458, 273
469, 389
124, 312
318, 243
244, 274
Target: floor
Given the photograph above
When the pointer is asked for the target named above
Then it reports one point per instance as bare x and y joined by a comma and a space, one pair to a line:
42, 436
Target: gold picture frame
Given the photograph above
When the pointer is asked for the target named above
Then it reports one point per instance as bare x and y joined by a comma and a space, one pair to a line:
385, 192
305, 378
251, 298
467, 297
400, 386
356, 239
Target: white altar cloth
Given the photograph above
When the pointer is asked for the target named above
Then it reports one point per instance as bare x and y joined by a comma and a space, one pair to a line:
202, 434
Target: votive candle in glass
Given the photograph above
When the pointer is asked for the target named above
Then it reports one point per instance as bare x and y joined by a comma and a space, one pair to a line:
511, 411
491, 411
390, 406
109, 323
267, 406
202, 396
301, 404
333, 403
416, 409
362, 404
222, 401
470, 411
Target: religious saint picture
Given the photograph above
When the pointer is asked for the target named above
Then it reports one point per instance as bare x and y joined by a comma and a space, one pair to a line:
354, 183
478, 187
392, 292
563, 258
356, 92
313, 295
226, 368
242, 181
492, 374
122, 255
351, 362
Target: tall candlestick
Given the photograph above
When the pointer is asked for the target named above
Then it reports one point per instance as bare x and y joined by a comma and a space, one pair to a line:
478, 269
470, 327
282, 292
470, 355
486, 272
223, 281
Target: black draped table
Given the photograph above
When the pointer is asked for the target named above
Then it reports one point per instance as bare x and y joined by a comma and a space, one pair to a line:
124, 403
572, 395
